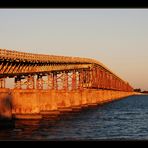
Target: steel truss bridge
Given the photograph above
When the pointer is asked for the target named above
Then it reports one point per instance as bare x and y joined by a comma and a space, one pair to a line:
39, 71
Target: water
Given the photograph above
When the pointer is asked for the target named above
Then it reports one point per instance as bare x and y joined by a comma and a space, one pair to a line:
125, 119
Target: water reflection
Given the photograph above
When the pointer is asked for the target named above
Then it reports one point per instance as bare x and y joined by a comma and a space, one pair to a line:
122, 120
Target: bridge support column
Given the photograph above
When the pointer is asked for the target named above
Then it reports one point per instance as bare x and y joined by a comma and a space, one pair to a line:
109, 81
98, 78
81, 80
73, 80
17, 82
95, 77
86, 78
30, 82
55, 82
90, 78
39, 82
103, 79
2, 83
65, 81
50, 81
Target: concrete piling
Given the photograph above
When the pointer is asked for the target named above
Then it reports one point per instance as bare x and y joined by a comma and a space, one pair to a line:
32, 104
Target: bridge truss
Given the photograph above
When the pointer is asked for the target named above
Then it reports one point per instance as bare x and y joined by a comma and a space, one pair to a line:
36, 71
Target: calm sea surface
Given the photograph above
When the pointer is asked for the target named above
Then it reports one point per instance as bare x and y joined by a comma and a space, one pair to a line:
125, 119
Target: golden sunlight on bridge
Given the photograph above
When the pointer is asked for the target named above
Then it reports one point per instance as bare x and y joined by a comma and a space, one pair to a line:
49, 84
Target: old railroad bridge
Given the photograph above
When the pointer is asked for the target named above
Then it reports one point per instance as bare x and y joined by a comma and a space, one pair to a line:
49, 84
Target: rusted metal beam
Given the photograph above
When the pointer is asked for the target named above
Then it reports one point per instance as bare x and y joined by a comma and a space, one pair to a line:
92, 73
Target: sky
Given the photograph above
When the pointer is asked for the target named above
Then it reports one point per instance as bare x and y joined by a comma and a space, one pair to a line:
116, 37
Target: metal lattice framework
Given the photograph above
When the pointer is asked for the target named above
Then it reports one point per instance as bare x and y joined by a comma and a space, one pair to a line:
75, 72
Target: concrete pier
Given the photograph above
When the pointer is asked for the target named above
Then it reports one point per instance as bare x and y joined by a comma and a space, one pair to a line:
5, 104
33, 104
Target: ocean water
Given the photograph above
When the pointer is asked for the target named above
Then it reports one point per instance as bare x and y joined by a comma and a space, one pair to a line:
125, 119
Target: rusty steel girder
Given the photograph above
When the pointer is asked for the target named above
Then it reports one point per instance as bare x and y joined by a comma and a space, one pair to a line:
75, 72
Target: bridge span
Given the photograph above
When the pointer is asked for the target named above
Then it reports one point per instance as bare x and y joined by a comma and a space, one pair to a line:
49, 84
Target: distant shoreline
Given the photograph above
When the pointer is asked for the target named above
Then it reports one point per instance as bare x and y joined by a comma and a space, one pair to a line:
141, 93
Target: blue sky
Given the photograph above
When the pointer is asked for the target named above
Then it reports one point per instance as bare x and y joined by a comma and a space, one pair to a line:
116, 37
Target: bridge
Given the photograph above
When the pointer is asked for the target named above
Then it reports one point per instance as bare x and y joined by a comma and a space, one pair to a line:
50, 84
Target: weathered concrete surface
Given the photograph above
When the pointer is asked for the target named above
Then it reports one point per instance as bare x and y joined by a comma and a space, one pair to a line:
31, 104
5, 104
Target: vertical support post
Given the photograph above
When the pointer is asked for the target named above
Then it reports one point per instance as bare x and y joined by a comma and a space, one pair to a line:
106, 80
17, 81
2, 83
73, 80
55, 82
39, 82
118, 85
84, 78
77, 80
98, 77
30, 82
65, 80
50, 81
106, 84
121, 85
94, 77
81, 79
91, 78
87, 78
100, 83
124, 87
103, 79
113, 82
110, 81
